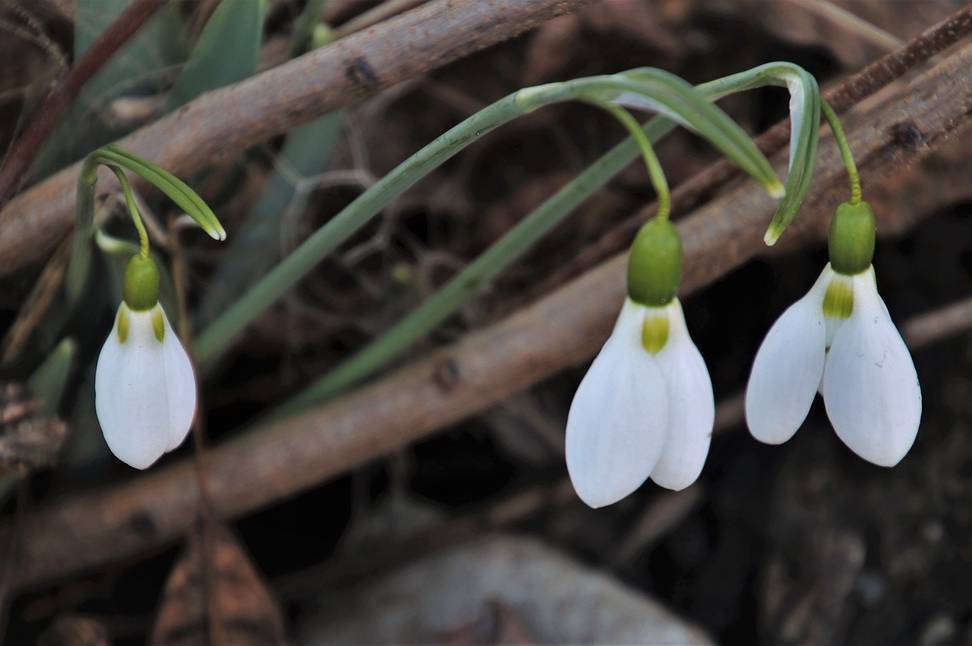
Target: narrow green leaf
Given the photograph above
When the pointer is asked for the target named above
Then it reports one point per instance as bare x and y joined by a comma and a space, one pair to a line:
227, 50
679, 99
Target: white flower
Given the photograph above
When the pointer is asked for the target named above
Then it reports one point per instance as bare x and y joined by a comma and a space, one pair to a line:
640, 412
838, 339
145, 390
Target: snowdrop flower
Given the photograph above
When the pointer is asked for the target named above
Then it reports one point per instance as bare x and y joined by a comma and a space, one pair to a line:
145, 389
839, 339
645, 408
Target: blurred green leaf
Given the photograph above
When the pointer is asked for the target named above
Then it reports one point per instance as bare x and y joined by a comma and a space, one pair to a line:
49, 380
140, 68
304, 27
227, 50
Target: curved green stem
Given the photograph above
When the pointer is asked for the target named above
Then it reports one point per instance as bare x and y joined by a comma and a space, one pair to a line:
654, 167
143, 239
518, 240
118, 161
845, 152
674, 95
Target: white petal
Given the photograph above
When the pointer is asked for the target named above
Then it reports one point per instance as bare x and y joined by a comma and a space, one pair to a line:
129, 393
788, 367
617, 421
180, 386
870, 385
691, 407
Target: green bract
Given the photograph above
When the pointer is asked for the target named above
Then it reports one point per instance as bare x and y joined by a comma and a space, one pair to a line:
851, 241
655, 264
141, 287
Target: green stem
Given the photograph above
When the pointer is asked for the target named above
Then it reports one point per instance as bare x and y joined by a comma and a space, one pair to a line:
508, 249
845, 152
655, 171
674, 96
80, 264
143, 239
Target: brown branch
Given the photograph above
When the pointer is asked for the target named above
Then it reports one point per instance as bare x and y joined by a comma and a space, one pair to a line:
25, 148
220, 124
562, 329
691, 193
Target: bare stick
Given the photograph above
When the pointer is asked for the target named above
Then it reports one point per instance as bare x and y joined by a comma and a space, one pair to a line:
24, 149
220, 124
564, 328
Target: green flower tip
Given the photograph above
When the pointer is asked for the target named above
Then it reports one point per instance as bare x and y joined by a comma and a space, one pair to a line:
851, 239
214, 229
655, 264
141, 283
211, 225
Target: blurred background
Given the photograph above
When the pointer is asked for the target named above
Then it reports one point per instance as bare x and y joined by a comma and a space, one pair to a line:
473, 534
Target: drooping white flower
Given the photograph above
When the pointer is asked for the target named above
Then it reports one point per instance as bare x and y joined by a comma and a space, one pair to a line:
838, 339
644, 408
145, 389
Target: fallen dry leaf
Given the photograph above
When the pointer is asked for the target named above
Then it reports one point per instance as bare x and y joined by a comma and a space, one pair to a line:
245, 612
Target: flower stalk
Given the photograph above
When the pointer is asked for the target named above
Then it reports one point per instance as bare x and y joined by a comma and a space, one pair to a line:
652, 164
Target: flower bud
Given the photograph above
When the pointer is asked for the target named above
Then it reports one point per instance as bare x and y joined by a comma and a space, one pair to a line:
851, 240
141, 283
655, 264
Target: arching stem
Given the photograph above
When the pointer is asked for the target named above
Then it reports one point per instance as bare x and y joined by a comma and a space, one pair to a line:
845, 151
655, 171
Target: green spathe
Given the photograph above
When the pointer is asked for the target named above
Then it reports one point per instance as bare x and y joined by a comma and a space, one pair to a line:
851, 241
655, 264
141, 288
